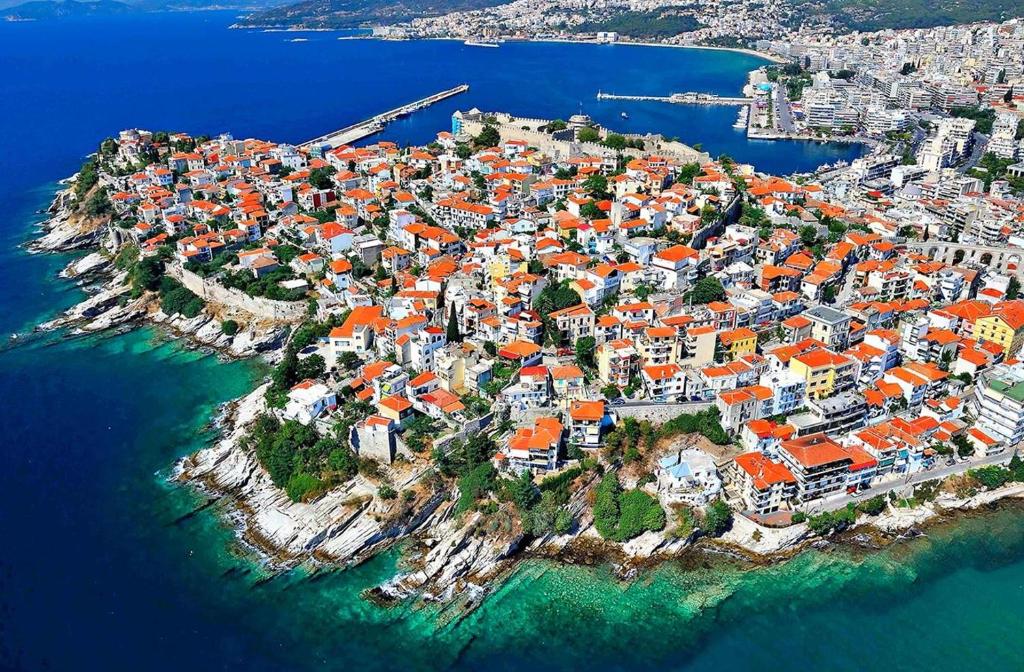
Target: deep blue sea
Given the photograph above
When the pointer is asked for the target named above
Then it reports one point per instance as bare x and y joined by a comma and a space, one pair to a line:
102, 568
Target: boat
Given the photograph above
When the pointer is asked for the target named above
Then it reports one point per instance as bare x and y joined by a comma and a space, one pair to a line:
481, 43
624, 115
741, 120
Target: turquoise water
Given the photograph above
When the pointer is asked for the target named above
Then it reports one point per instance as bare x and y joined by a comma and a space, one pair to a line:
102, 567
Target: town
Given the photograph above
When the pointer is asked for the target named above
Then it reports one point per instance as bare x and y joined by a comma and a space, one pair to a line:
523, 301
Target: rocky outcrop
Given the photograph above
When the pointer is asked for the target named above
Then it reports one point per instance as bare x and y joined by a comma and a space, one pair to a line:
67, 229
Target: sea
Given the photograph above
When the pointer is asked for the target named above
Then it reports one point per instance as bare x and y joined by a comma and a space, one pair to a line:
104, 565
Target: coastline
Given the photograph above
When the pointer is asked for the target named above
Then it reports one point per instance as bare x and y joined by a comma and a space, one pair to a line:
108, 306
448, 561
553, 40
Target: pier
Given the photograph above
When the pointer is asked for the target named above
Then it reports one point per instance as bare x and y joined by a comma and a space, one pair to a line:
686, 98
378, 123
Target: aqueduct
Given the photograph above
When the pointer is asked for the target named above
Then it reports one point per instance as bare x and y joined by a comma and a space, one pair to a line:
1008, 260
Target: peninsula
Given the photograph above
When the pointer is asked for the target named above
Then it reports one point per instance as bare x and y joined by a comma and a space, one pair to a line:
544, 337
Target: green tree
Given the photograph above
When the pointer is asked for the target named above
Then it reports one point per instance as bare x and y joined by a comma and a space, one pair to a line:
590, 211
453, 334
588, 134
585, 351
320, 178
488, 137
706, 290
1013, 289
229, 327
717, 518
808, 234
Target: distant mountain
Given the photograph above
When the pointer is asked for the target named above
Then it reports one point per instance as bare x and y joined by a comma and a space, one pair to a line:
355, 13
48, 9
36, 10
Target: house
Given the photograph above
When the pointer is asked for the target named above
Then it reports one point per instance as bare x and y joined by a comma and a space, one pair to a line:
689, 476
355, 334
823, 467
309, 400
397, 409
534, 448
586, 422
765, 485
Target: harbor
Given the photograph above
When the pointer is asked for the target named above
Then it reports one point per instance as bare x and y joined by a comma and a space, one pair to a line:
378, 123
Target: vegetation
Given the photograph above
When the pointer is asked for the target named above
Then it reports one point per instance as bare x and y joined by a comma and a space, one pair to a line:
654, 24
706, 290
875, 15
832, 521
622, 515
704, 422
717, 518
176, 298
298, 459
588, 134
229, 327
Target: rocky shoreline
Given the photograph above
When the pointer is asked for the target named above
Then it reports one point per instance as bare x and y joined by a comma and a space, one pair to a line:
110, 306
448, 558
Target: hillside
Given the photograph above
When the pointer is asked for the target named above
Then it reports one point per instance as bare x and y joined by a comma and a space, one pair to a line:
45, 9
355, 13
873, 15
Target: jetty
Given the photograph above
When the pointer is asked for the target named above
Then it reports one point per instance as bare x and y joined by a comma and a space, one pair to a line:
378, 123
685, 98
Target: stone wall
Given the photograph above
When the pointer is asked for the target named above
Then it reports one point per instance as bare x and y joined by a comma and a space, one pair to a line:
511, 128
658, 414
213, 292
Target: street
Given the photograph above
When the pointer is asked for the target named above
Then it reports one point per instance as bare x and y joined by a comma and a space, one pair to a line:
933, 474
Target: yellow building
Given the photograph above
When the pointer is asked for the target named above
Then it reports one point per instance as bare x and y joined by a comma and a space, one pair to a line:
821, 370
1004, 327
739, 342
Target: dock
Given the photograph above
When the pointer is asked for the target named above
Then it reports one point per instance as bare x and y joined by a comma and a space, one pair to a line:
378, 123
685, 98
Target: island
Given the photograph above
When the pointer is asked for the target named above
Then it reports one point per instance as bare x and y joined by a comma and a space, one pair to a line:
544, 338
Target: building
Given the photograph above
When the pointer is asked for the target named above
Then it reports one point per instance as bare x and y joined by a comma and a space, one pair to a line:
822, 467
374, 438
534, 448
689, 476
764, 484
586, 422
999, 403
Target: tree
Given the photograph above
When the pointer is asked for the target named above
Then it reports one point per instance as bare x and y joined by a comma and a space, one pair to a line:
590, 211
828, 295
597, 185
463, 151
588, 134
320, 178
453, 334
585, 351
706, 290
615, 141
488, 137
229, 327
689, 171
1013, 289
311, 367
717, 518
808, 234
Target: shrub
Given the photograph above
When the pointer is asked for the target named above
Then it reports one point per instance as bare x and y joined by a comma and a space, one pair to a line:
386, 492
873, 506
176, 298
991, 477
798, 517
229, 327
621, 516
717, 518
302, 487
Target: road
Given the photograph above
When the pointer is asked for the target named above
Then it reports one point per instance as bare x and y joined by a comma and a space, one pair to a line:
783, 114
933, 474
977, 151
